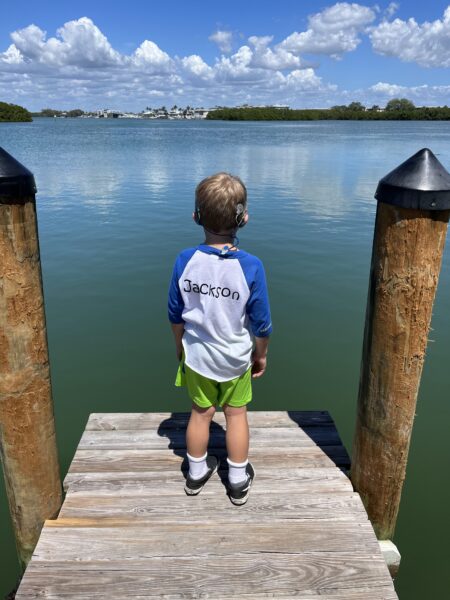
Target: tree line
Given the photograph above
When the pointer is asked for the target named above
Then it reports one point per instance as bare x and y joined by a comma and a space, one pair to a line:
397, 109
13, 112
53, 112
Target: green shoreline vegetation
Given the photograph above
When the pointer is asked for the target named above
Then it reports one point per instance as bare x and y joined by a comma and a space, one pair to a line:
52, 112
13, 113
398, 109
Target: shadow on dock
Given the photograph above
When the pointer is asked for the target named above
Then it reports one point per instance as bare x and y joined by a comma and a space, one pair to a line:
174, 429
317, 426
325, 436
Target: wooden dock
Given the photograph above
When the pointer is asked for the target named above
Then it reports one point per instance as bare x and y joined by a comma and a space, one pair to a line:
127, 529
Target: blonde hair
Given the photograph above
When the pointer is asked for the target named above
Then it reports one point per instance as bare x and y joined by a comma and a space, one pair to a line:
217, 200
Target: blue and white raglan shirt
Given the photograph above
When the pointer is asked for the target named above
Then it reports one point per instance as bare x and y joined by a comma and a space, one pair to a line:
223, 302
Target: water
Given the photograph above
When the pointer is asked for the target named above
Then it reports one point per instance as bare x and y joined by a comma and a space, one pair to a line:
115, 206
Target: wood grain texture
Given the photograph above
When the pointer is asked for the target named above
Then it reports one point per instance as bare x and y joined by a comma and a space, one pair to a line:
138, 421
264, 506
181, 539
188, 577
162, 438
27, 428
221, 520
88, 461
51, 592
406, 261
315, 480
127, 529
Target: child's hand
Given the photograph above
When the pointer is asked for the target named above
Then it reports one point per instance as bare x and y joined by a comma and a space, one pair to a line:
259, 356
259, 366
178, 330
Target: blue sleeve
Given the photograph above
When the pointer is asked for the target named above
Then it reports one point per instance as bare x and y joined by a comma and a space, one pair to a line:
176, 304
258, 309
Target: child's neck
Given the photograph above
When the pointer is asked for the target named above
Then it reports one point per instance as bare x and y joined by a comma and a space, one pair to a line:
219, 241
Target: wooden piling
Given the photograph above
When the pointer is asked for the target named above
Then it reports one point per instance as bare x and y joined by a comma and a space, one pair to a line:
410, 230
27, 428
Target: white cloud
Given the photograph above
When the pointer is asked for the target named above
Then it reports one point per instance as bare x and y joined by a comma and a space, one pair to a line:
30, 41
79, 43
333, 31
389, 89
391, 9
250, 64
268, 58
419, 94
427, 44
150, 57
305, 79
260, 42
11, 56
79, 67
195, 65
223, 39
236, 66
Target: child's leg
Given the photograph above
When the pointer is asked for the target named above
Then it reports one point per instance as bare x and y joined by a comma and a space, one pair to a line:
197, 432
237, 435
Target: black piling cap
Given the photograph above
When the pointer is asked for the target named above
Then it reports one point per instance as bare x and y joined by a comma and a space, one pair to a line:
16, 181
420, 182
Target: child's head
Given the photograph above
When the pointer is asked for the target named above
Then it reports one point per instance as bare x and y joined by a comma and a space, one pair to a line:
221, 203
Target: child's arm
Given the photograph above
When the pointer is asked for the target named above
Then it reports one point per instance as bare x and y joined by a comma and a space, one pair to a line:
175, 307
178, 330
259, 356
258, 311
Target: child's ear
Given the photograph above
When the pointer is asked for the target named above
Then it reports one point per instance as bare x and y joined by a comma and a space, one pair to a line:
246, 218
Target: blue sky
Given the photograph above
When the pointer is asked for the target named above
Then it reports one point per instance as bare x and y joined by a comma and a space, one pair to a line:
135, 54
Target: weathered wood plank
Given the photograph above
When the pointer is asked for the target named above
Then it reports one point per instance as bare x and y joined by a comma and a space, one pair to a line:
86, 461
378, 593
262, 505
187, 577
374, 593
124, 521
176, 438
304, 533
138, 542
310, 480
117, 421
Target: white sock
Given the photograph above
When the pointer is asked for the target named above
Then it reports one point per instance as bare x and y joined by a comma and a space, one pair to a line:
197, 466
237, 472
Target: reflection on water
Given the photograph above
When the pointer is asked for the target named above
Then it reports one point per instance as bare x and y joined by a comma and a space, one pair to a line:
115, 206
326, 170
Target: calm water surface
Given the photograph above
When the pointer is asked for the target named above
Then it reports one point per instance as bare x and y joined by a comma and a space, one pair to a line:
114, 206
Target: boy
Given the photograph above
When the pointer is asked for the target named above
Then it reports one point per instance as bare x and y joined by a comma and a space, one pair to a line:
220, 315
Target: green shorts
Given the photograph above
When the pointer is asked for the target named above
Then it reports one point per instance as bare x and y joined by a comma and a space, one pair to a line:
207, 392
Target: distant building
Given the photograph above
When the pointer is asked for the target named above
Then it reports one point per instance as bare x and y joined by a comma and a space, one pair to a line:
175, 113
200, 113
107, 113
279, 106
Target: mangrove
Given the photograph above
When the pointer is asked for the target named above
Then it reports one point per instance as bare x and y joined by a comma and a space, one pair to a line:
397, 109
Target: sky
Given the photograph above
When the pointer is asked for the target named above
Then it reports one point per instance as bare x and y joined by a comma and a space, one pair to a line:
134, 54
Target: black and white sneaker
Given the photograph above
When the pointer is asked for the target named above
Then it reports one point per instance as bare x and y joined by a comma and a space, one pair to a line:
238, 492
195, 486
